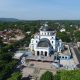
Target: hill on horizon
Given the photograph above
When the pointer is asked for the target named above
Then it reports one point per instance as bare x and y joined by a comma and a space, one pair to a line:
9, 19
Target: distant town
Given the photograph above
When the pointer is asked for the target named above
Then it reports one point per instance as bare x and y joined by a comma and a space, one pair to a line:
39, 50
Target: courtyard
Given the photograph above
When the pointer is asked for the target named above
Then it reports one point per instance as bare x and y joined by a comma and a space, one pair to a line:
35, 69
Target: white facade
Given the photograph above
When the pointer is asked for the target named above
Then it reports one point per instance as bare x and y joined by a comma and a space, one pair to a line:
45, 42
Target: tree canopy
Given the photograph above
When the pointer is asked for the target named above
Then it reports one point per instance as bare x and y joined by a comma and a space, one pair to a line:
77, 35
15, 76
47, 76
68, 75
64, 36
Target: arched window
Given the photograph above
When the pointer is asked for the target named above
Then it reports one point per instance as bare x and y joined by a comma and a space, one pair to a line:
48, 33
63, 57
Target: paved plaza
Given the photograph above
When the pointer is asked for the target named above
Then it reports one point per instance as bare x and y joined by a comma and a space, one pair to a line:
36, 69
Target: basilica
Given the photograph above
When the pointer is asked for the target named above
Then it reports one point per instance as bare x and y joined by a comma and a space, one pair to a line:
45, 42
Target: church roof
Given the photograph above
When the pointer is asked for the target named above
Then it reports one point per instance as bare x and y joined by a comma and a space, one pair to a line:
44, 43
46, 28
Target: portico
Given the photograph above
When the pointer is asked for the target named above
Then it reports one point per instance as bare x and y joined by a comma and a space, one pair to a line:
41, 53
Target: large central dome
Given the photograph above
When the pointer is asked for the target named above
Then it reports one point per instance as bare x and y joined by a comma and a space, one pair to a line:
44, 43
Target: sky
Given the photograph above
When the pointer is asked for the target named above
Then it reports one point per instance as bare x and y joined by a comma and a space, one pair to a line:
40, 9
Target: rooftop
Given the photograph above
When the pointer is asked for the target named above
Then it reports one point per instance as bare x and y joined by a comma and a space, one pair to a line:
66, 52
45, 27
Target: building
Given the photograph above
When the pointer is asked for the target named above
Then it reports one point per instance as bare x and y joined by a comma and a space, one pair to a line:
62, 30
28, 32
45, 43
78, 44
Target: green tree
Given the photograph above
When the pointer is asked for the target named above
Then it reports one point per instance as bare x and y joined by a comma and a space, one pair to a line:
64, 36
47, 76
68, 75
15, 76
1, 43
77, 35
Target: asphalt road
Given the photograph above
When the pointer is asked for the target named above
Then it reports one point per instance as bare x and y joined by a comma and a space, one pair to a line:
77, 53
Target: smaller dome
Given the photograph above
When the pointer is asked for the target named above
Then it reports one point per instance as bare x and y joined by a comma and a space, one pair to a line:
46, 28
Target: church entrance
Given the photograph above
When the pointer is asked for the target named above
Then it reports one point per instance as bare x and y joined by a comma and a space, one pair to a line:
41, 53
37, 53
45, 53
